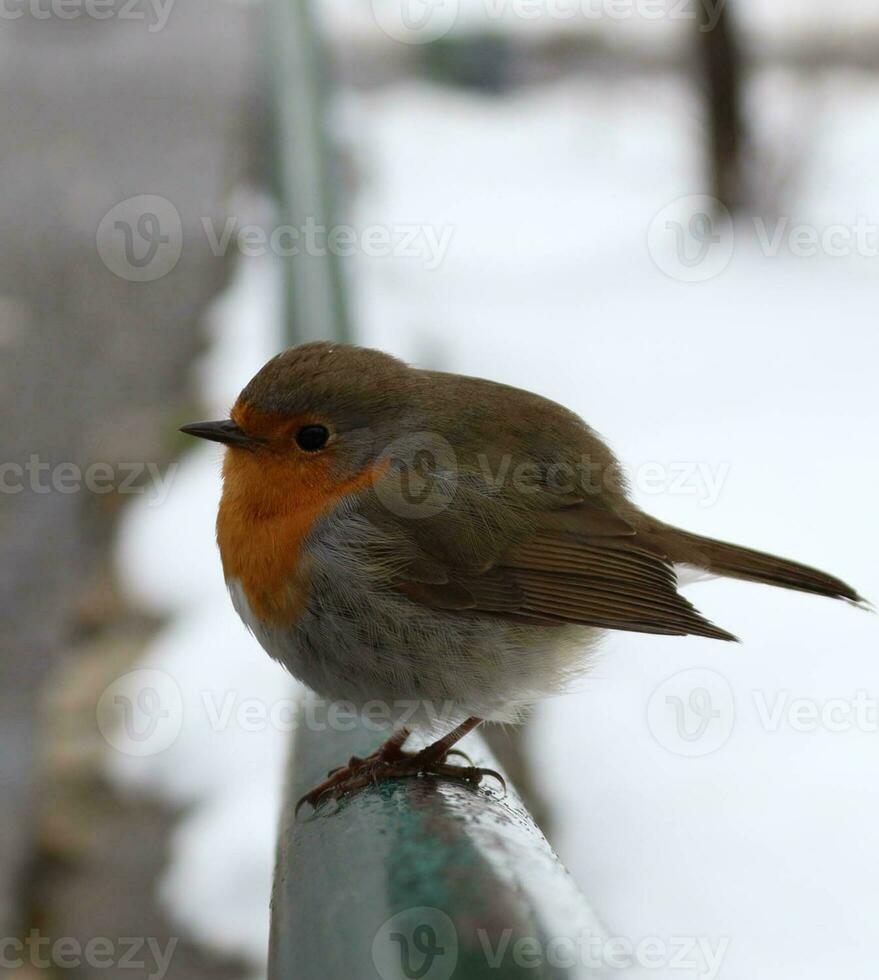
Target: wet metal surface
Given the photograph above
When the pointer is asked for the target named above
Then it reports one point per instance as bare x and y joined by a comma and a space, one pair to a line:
417, 878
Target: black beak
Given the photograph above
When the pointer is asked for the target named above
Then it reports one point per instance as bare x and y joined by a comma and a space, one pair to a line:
225, 431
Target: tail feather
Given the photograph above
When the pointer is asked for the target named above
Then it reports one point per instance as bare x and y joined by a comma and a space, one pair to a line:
735, 561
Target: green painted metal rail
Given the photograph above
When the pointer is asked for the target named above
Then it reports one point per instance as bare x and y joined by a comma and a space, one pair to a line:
418, 878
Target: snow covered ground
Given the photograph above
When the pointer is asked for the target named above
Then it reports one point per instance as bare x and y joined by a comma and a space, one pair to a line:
712, 806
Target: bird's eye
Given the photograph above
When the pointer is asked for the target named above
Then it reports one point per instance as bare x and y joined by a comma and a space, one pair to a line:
312, 437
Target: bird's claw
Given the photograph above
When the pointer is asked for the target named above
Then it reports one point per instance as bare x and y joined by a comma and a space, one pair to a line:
373, 769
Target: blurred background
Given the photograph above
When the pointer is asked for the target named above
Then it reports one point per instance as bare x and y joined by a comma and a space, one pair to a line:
662, 213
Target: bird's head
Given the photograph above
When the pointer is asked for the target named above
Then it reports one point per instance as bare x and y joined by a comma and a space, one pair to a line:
318, 414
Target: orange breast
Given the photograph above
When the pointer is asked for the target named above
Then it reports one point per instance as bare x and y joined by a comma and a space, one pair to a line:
269, 504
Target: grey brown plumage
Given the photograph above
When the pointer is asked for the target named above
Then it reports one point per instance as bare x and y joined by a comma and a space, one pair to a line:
606, 575
484, 588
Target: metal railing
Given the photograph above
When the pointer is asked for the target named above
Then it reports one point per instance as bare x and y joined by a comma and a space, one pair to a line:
417, 878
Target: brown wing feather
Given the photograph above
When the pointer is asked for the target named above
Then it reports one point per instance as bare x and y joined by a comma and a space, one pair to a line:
607, 576
625, 585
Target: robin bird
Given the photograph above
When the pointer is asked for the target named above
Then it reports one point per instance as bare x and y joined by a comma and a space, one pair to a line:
445, 545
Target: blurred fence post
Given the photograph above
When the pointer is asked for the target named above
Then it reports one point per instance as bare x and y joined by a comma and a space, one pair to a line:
315, 307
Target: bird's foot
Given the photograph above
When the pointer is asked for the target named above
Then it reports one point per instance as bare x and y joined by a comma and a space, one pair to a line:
394, 764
